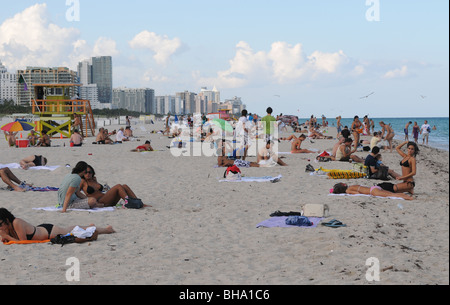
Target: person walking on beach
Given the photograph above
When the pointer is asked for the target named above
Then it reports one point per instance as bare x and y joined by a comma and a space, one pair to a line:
406, 130
268, 123
425, 132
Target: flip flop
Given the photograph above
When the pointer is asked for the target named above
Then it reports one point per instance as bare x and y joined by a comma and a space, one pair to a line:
334, 224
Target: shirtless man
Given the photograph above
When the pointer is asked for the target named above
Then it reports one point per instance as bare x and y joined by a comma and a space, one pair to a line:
335, 149
345, 153
101, 137
44, 140
33, 138
223, 161
296, 146
11, 138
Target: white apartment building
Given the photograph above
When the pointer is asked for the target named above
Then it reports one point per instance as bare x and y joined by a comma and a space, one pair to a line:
8, 85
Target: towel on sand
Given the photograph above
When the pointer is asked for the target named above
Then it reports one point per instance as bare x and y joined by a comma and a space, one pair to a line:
26, 242
96, 210
255, 179
280, 222
17, 166
364, 196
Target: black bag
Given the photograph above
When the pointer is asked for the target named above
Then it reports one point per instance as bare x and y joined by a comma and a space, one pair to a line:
63, 240
134, 203
381, 174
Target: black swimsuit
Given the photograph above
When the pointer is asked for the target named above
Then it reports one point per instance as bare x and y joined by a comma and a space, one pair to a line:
48, 227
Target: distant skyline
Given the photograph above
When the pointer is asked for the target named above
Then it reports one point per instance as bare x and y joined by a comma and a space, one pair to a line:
355, 57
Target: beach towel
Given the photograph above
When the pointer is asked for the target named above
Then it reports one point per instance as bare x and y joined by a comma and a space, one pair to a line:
256, 179
17, 166
280, 221
56, 209
26, 242
364, 196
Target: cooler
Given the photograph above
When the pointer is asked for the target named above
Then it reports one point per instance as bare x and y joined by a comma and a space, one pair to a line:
22, 143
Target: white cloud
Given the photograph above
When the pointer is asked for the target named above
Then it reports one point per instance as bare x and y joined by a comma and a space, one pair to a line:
402, 72
283, 64
162, 46
31, 39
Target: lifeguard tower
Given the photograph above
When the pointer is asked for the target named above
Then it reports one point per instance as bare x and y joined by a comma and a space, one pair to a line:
57, 111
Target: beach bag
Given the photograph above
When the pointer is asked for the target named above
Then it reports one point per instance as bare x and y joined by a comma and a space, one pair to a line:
315, 210
232, 173
360, 168
381, 174
134, 203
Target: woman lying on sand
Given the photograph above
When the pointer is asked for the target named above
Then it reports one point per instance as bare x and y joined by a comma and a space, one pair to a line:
32, 161
16, 229
93, 189
342, 188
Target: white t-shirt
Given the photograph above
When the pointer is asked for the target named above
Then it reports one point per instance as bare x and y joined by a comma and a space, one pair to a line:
120, 136
242, 125
425, 128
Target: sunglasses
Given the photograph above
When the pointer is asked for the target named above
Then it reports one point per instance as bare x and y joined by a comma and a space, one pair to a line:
89, 172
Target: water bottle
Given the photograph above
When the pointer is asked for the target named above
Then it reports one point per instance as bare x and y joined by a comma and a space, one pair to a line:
300, 221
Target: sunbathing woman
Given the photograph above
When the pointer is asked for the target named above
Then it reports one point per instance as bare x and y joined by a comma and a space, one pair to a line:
342, 188
408, 165
33, 161
296, 146
93, 189
16, 229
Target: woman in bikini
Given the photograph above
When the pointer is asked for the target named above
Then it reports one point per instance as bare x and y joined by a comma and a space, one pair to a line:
357, 129
92, 188
16, 229
409, 168
32, 161
342, 188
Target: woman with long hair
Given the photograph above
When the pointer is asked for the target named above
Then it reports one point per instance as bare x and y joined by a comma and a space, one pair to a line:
342, 188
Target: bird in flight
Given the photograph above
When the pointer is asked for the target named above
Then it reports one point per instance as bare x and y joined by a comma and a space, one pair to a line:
276, 95
423, 96
367, 95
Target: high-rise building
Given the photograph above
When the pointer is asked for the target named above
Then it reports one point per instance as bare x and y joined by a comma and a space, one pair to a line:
168, 104
98, 70
8, 85
140, 100
188, 101
42, 75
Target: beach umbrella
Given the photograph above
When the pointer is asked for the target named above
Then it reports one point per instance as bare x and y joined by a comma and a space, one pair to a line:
222, 124
18, 126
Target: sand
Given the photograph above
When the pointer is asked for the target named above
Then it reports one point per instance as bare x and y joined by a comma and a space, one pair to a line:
200, 231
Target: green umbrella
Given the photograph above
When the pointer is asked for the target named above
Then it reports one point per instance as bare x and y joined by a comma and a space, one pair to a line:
222, 124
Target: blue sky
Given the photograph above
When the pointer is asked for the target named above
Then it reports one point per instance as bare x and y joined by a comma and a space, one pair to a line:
300, 57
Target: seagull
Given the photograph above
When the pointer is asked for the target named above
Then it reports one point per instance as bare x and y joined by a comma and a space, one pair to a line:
423, 96
277, 95
367, 95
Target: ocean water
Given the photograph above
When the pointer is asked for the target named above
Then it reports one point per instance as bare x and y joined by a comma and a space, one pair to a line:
439, 138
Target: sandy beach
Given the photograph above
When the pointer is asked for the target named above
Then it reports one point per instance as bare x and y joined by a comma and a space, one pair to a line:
201, 231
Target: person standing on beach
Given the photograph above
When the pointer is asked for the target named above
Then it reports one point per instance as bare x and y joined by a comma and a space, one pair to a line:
268, 123
406, 130
338, 126
416, 131
425, 132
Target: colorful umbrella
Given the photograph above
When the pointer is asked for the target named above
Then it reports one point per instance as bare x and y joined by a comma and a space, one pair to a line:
224, 125
18, 126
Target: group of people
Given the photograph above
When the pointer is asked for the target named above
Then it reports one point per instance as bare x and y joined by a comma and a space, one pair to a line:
33, 139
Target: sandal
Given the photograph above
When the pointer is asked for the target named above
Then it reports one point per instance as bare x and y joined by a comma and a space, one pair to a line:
334, 224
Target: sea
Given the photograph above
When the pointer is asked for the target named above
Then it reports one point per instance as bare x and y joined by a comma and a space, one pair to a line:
439, 138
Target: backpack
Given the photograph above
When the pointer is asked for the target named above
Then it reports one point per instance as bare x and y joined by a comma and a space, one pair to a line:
381, 174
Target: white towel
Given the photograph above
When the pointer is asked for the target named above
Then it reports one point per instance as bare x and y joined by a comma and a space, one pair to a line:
17, 166
96, 210
256, 179
364, 196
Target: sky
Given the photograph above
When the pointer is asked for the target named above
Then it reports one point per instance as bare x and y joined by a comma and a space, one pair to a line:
300, 57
